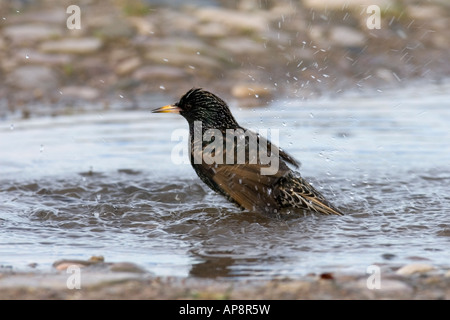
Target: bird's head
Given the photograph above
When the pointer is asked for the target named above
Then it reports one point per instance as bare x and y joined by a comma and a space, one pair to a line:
200, 105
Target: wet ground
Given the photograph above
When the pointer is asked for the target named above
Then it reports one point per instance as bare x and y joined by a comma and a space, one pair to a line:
106, 184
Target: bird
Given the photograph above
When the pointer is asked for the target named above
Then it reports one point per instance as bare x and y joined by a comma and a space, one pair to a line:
233, 161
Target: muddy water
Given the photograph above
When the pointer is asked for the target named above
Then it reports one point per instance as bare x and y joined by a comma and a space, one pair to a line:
105, 184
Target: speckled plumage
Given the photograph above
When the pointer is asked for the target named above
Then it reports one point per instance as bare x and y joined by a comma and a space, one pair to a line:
243, 183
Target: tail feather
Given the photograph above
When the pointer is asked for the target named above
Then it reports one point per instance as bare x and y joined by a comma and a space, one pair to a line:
296, 192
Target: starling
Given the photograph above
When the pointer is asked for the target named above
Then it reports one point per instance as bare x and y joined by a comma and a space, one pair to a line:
234, 161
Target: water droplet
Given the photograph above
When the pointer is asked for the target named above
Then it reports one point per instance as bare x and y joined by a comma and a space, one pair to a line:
284, 124
11, 126
311, 115
166, 60
121, 96
98, 197
27, 56
162, 87
256, 96
41, 148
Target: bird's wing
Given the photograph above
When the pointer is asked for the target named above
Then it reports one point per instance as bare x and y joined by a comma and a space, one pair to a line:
246, 186
249, 181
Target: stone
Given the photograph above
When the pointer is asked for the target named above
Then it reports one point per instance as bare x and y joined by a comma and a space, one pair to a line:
158, 73
235, 20
31, 32
177, 58
395, 285
33, 77
385, 74
143, 26
241, 45
31, 56
424, 12
250, 90
212, 30
75, 45
128, 65
115, 28
347, 37
54, 16
80, 92
412, 268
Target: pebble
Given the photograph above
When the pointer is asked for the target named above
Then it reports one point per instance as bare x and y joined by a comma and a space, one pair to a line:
235, 20
78, 45
212, 30
80, 92
28, 32
347, 37
394, 285
250, 90
412, 268
241, 45
181, 59
32, 56
150, 72
426, 12
128, 65
143, 26
33, 77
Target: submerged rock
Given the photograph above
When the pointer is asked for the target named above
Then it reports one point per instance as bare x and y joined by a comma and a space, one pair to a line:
412, 268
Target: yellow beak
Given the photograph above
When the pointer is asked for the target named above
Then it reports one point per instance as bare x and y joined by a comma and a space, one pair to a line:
167, 109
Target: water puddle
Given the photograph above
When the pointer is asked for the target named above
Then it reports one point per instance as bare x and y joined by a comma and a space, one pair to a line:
104, 184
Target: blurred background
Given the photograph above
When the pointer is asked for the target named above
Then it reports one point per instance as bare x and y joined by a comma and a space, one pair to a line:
128, 54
